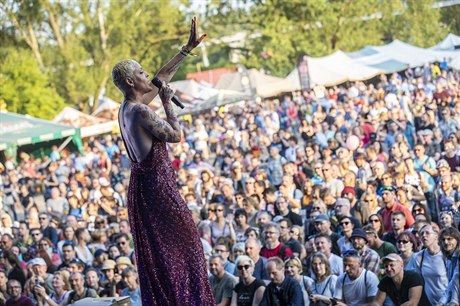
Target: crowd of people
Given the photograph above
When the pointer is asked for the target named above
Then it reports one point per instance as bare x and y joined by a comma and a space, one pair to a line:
332, 196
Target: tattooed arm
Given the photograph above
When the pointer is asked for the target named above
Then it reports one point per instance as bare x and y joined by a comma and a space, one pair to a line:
153, 124
167, 72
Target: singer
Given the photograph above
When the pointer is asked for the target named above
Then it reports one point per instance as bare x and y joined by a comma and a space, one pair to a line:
170, 259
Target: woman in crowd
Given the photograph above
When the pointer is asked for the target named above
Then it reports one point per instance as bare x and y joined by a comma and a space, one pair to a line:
241, 221
3, 289
407, 246
323, 280
223, 225
249, 291
61, 292
293, 268
46, 245
446, 219
376, 222
252, 232
420, 209
370, 199
69, 236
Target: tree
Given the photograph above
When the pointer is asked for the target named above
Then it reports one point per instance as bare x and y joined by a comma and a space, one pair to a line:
24, 88
79, 41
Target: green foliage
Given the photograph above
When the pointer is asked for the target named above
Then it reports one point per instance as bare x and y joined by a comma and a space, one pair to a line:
24, 88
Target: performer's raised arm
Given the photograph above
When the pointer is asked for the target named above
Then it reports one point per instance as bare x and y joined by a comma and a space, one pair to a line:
167, 72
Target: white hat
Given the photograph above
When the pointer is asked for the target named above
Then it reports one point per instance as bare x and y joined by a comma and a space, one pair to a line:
37, 261
104, 182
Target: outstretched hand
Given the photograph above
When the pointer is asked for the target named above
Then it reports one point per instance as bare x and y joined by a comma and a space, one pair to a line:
193, 40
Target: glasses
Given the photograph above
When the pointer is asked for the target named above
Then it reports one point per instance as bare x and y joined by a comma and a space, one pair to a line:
100, 222
374, 220
345, 223
293, 232
403, 241
245, 267
212, 210
316, 208
418, 210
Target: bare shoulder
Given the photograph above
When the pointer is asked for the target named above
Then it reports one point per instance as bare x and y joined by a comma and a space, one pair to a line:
149, 120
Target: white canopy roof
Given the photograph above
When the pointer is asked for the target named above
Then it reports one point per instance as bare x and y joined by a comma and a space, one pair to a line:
334, 69
265, 85
73, 117
450, 43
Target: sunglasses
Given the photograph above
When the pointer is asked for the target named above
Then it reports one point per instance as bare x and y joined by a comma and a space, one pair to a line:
374, 220
403, 241
345, 223
245, 267
316, 208
212, 210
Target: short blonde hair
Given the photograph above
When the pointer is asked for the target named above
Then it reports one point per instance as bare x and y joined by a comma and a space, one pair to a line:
122, 70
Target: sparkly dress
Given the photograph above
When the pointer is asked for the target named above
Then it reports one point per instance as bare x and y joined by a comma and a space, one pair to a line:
169, 253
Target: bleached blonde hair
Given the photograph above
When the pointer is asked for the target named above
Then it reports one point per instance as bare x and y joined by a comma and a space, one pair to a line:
122, 70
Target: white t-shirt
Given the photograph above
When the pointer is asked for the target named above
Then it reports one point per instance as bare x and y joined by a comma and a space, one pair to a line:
355, 292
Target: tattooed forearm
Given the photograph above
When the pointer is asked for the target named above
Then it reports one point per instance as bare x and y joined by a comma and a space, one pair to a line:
161, 129
172, 66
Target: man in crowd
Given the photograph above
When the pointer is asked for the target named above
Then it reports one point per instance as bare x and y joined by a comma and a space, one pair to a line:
357, 286
273, 247
222, 283
132, 286
403, 287
430, 264
323, 244
16, 298
398, 222
47, 230
284, 211
391, 205
282, 290
253, 251
370, 260
382, 248
224, 252
79, 291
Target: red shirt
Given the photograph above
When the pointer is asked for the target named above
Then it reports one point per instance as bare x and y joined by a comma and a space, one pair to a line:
276, 252
386, 216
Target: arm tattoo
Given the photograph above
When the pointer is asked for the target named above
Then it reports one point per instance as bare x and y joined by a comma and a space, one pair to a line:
173, 65
163, 130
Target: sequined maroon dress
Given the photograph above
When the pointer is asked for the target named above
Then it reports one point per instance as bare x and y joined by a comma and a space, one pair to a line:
169, 253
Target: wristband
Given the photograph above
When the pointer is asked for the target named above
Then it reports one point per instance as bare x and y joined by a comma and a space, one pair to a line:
185, 52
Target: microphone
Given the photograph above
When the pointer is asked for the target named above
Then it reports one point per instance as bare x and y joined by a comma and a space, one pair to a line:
176, 100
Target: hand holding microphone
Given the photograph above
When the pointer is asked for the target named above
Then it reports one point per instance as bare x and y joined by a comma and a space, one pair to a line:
167, 92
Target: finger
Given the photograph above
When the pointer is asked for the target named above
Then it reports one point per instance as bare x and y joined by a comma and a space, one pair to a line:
202, 37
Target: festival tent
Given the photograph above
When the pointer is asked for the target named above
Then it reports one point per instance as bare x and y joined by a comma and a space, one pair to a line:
193, 92
18, 130
223, 97
107, 109
402, 56
73, 117
89, 125
334, 69
450, 43
263, 85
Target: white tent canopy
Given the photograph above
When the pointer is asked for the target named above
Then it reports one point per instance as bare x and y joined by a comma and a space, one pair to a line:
450, 43
334, 69
73, 117
404, 53
264, 85
370, 61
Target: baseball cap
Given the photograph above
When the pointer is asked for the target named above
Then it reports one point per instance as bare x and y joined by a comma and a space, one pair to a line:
392, 257
321, 218
37, 261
